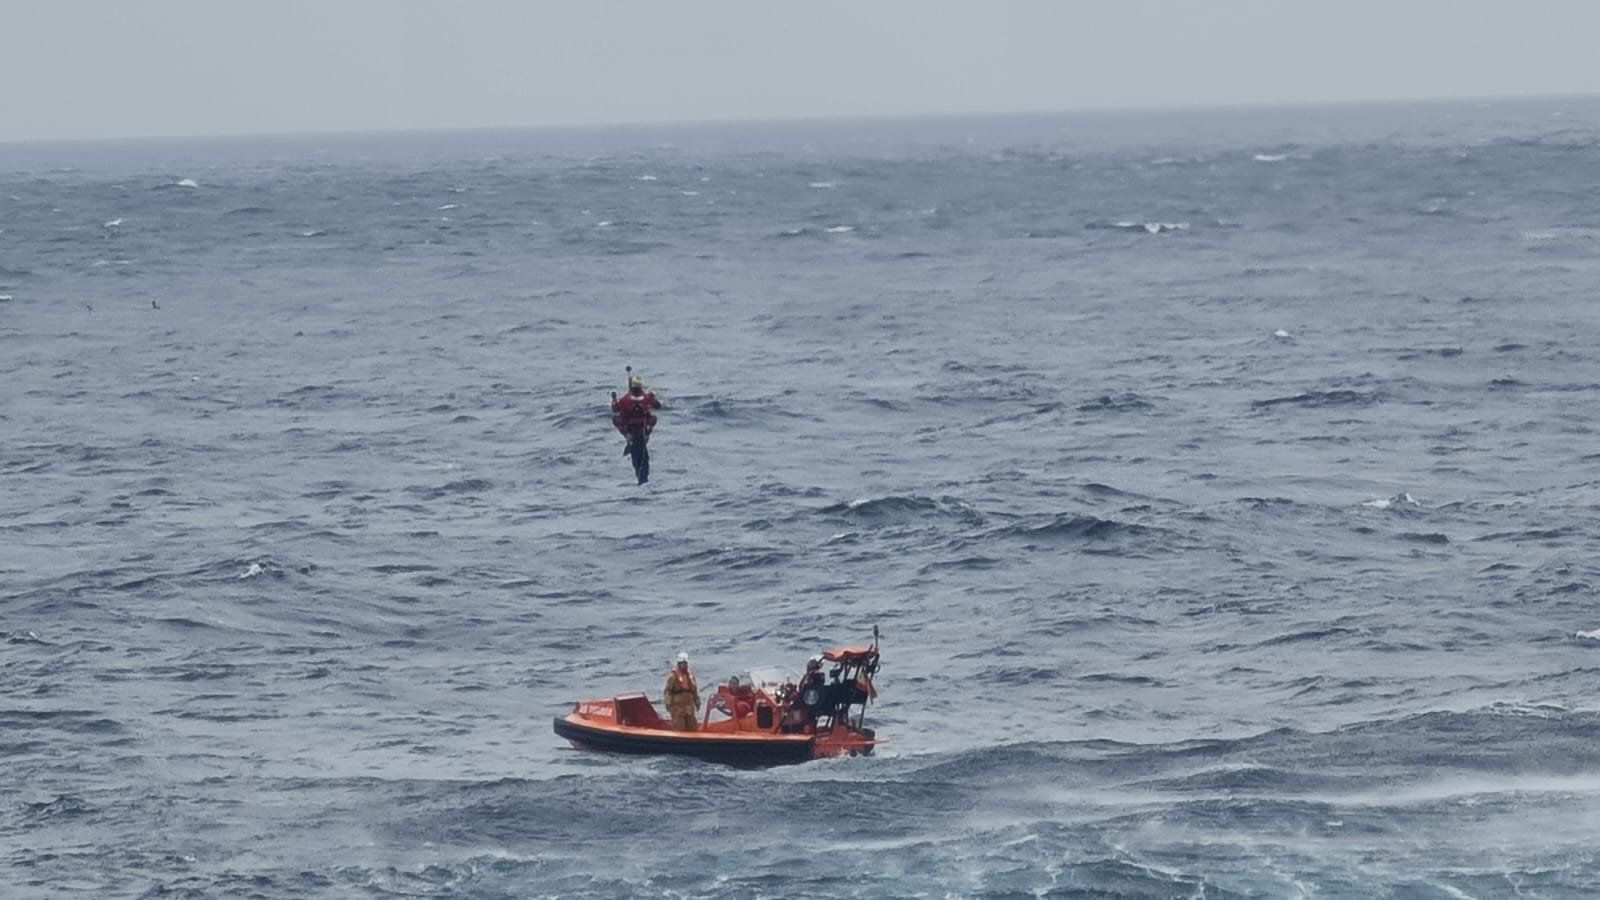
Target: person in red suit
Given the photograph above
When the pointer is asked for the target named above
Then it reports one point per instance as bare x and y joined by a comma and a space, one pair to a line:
632, 415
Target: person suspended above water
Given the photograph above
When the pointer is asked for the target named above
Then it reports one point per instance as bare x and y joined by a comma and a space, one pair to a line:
632, 415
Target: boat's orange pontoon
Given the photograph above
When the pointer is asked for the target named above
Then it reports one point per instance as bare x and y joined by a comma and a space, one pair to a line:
758, 719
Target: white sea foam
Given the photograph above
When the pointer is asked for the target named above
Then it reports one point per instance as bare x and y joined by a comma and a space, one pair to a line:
1280, 333
823, 185
114, 222
1400, 499
188, 182
5, 297
315, 232
1271, 157
448, 206
1150, 227
254, 570
1592, 635
690, 193
647, 178
841, 229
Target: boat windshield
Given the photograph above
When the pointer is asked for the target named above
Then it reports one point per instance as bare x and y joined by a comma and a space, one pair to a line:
768, 677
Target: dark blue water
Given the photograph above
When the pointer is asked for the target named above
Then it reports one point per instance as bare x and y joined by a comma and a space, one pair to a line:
1224, 485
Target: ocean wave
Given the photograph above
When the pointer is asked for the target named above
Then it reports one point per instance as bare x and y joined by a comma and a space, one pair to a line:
1125, 402
69, 721
1531, 534
1020, 675
1143, 227
733, 410
1307, 635
1320, 399
62, 807
458, 487
1075, 527
896, 507
1397, 502
1424, 537
731, 558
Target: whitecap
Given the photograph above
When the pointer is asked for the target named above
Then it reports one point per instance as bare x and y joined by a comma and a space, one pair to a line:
841, 229
1589, 635
1401, 499
114, 222
448, 206
603, 224
823, 185
4, 298
1271, 157
1280, 333
254, 570
315, 232
690, 193
1147, 227
647, 178
188, 182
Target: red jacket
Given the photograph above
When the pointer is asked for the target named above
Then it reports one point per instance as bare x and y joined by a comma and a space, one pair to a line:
632, 411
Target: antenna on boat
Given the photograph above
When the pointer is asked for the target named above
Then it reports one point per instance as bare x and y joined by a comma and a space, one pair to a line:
874, 635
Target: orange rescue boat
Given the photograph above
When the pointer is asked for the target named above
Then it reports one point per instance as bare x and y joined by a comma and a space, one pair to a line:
758, 719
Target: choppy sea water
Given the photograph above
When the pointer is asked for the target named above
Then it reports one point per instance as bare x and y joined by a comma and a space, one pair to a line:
1223, 483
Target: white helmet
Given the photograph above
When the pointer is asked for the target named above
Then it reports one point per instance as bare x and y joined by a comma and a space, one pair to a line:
683, 657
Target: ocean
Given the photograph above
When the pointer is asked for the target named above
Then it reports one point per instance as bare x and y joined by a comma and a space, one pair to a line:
1224, 483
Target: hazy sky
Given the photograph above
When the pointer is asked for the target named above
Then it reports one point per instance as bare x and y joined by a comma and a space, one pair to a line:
122, 68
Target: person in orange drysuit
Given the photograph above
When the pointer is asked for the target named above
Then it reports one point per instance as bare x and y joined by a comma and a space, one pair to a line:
631, 413
682, 696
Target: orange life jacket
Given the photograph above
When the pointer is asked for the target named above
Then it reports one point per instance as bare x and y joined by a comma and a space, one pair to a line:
679, 683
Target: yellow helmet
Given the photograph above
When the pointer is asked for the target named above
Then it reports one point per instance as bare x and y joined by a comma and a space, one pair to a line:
635, 381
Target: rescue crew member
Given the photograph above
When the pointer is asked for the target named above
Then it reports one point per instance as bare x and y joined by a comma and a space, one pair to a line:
682, 695
742, 697
631, 412
808, 696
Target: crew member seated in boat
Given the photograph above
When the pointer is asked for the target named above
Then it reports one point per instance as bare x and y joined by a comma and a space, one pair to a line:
810, 697
682, 695
743, 698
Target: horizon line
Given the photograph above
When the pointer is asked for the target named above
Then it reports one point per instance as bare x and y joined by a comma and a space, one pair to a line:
800, 119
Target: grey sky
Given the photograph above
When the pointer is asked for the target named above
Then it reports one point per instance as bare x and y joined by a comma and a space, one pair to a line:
115, 68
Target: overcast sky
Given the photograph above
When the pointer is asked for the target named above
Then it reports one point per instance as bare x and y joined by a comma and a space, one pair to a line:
126, 68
